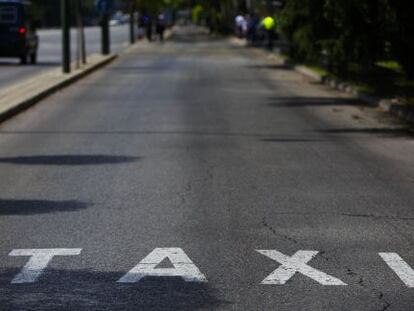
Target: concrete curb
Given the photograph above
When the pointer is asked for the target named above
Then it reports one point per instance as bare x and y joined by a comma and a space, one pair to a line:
350, 89
397, 109
308, 72
22, 95
330, 82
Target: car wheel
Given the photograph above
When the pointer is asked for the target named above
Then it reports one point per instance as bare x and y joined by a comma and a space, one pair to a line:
33, 58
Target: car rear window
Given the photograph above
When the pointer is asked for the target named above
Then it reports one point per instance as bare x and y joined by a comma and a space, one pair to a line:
9, 15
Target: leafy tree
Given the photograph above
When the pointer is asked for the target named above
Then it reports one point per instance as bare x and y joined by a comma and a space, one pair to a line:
347, 32
48, 11
303, 23
358, 31
403, 34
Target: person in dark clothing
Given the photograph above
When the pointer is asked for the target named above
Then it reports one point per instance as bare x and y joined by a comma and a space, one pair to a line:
148, 26
269, 24
253, 24
141, 27
161, 25
209, 24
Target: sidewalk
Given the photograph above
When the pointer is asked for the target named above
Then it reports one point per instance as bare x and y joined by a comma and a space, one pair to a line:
22, 95
394, 106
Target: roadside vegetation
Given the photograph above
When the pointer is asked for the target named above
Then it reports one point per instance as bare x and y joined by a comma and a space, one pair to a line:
368, 43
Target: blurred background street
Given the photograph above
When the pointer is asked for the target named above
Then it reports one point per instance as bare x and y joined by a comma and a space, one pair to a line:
50, 52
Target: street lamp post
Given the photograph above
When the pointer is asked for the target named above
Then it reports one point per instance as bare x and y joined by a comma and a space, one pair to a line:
105, 7
132, 23
65, 35
105, 34
81, 32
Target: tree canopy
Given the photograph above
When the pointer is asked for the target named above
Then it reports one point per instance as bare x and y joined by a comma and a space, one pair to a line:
350, 31
339, 32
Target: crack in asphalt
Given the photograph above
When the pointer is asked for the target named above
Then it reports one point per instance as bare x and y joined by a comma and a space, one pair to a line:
361, 282
189, 187
376, 216
376, 292
271, 229
209, 168
355, 215
183, 194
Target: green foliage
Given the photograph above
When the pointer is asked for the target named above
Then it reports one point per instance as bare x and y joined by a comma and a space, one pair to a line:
155, 6
303, 23
403, 34
343, 32
390, 65
196, 13
48, 11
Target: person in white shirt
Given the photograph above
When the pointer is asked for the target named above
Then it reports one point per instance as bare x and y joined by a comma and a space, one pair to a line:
240, 22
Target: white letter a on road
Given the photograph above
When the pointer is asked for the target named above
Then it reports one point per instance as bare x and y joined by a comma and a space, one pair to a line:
183, 267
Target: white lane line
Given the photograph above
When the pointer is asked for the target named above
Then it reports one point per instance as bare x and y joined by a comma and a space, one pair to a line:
38, 262
400, 267
296, 264
183, 267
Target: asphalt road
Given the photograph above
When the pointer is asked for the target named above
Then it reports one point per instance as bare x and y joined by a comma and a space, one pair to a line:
204, 152
50, 52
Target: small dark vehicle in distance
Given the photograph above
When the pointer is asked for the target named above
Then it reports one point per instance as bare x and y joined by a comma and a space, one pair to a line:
18, 31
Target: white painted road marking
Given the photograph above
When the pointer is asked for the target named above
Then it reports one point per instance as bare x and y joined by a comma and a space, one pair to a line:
400, 267
296, 264
183, 267
39, 259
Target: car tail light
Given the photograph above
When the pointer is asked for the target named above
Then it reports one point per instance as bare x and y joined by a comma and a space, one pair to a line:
22, 30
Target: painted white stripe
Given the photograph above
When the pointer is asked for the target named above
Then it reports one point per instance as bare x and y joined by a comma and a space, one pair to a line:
183, 267
38, 262
400, 267
296, 264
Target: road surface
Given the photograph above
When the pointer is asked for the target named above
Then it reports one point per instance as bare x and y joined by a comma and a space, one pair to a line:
50, 52
198, 175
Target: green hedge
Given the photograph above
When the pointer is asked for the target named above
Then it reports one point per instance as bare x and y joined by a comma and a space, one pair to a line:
339, 33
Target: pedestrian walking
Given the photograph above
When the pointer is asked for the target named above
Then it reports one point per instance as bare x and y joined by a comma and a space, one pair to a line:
269, 24
161, 25
148, 26
141, 27
245, 26
252, 25
240, 22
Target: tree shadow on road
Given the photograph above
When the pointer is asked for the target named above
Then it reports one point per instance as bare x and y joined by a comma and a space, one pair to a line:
89, 290
290, 140
295, 102
194, 38
12, 63
268, 66
404, 131
68, 160
32, 207
139, 68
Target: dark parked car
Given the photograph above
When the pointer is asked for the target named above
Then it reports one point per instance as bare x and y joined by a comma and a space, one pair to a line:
18, 31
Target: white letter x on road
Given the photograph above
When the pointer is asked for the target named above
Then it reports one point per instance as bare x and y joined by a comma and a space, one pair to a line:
296, 264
